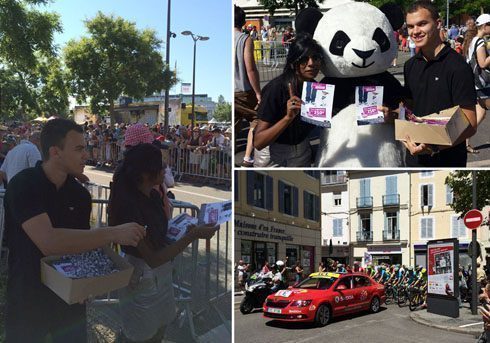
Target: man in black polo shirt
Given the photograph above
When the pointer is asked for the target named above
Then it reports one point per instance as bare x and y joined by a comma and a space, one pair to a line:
437, 78
47, 212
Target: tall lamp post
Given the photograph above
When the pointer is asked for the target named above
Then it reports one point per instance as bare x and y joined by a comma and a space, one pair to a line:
195, 38
167, 61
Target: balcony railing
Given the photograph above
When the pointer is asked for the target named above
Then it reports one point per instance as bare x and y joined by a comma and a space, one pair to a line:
364, 202
364, 236
391, 200
333, 179
391, 235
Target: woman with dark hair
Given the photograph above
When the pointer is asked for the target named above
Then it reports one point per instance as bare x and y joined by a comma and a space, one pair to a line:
147, 304
279, 125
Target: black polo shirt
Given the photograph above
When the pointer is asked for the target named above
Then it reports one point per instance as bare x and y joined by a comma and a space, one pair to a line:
273, 107
29, 194
438, 84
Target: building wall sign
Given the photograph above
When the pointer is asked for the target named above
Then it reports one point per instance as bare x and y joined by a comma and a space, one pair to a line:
250, 228
385, 250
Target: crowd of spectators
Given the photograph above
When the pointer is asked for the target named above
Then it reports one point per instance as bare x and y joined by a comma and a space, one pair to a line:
201, 151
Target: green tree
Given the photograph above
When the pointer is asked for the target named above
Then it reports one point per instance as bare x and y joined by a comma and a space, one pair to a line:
26, 32
294, 5
222, 112
53, 90
116, 59
26, 35
461, 183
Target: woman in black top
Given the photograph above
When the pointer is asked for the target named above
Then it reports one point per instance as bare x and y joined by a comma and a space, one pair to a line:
279, 125
147, 304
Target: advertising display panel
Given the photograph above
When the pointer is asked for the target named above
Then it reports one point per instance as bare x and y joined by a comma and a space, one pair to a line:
440, 268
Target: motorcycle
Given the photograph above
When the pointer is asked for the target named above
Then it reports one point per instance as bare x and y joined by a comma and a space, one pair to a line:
257, 290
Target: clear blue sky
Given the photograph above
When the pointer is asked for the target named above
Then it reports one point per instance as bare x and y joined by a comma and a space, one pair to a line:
210, 18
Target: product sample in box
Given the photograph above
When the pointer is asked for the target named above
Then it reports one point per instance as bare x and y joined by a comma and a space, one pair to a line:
104, 276
442, 128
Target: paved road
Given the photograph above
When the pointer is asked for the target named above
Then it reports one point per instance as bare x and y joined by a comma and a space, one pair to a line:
183, 191
391, 324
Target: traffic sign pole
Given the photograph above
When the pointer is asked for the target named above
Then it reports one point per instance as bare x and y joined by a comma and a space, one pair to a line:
474, 292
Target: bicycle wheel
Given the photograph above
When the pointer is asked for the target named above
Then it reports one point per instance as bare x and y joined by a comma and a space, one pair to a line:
389, 296
413, 300
402, 298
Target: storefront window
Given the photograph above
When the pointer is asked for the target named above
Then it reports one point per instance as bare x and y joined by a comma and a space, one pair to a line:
260, 254
272, 252
246, 247
292, 254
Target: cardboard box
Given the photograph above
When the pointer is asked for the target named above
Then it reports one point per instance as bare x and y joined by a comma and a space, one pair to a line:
434, 134
76, 290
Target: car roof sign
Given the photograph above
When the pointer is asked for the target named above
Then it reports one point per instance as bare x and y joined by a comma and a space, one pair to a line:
325, 275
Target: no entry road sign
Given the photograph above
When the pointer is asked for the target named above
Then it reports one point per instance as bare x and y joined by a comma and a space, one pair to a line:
473, 219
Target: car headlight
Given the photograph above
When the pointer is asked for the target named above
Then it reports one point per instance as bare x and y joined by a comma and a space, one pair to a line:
301, 303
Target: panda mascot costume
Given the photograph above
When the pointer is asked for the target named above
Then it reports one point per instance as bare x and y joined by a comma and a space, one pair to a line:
359, 46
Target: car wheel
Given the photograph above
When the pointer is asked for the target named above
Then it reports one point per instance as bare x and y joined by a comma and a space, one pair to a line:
246, 306
323, 315
375, 305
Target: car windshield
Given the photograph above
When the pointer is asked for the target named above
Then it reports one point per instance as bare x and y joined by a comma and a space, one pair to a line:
316, 283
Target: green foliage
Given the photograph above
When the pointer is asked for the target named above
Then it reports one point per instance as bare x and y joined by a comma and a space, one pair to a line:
26, 43
462, 184
53, 95
26, 32
116, 59
222, 112
293, 5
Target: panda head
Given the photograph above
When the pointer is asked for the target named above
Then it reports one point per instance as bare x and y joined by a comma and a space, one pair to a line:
357, 38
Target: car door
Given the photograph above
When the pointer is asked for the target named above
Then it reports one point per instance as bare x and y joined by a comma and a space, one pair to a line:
343, 295
363, 288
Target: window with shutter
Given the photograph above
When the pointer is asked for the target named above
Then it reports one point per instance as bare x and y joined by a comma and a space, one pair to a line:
427, 229
427, 195
458, 228
337, 227
449, 195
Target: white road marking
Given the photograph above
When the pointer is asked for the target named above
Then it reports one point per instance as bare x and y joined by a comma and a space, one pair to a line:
463, 326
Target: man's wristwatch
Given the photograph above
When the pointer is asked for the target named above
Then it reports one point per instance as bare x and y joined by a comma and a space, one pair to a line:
434, 149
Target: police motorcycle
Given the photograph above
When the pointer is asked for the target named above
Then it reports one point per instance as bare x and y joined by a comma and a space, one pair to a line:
259, 287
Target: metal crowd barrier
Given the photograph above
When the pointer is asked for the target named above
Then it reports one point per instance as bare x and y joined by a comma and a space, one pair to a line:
211, 164
196, 292
270, 58
106, 153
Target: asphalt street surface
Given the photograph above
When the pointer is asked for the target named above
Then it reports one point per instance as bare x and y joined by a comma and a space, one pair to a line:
391, 324
481, 140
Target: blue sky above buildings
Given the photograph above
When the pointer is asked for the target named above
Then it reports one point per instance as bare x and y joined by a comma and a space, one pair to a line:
206, 18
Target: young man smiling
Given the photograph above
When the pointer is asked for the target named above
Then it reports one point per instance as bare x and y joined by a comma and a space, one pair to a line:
437, 78
47, 212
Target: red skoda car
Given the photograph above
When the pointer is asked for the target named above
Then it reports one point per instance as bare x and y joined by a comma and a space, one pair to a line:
322, 296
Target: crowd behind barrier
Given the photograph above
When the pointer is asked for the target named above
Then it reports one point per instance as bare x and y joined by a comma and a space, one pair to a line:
200, 278
202, 153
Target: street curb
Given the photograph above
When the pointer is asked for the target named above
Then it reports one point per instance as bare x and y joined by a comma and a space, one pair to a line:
474, 332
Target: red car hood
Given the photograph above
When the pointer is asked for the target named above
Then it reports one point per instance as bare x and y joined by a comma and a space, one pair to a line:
298, 294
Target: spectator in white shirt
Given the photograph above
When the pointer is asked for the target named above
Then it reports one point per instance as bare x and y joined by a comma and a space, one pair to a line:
23, 156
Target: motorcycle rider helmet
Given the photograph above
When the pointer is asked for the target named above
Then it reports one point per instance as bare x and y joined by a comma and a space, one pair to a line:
279, 263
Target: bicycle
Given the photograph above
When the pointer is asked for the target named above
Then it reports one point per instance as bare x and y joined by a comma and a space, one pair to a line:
403, 295
416, 297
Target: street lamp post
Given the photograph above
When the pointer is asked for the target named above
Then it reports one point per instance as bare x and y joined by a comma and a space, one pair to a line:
167, 61
195, 38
